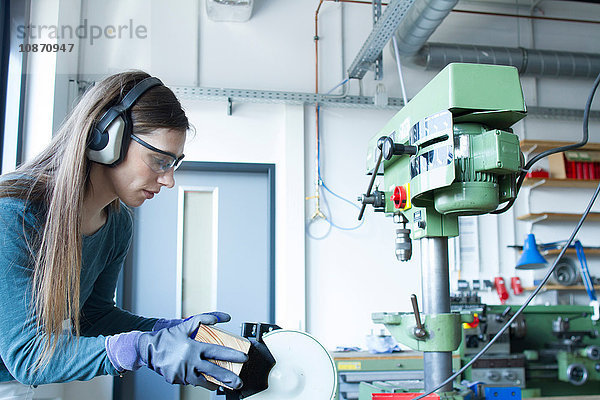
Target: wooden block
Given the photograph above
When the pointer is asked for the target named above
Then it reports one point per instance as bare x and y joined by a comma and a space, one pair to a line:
557, 166
210, 334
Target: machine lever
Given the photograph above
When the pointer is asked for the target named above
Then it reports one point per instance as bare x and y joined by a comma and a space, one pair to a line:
420, 331
368, 194
390, 149
505, 313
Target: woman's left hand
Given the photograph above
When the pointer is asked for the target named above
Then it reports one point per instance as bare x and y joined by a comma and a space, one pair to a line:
167, 323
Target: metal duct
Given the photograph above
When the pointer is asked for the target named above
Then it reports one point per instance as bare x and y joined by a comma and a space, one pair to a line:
529, 62
420, 22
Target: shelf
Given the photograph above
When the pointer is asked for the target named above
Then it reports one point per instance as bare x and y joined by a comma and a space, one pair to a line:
593, 216
543, 145
552, 182
593, 251
556, 287
571, 252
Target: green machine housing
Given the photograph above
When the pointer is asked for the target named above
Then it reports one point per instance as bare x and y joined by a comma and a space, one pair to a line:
450, 151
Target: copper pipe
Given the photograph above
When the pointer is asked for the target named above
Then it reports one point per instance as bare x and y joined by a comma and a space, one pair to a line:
316, 39
526, 16
317, 212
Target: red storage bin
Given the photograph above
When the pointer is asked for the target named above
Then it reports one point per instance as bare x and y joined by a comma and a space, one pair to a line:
578, 170
570, 165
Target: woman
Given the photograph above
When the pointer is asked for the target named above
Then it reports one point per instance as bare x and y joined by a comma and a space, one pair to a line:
64, 235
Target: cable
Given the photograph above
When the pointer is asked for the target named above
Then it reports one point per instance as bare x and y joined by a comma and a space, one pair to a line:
310, 235
330, 220
399, 65
344, 90
520, 310
323, 185
586, 117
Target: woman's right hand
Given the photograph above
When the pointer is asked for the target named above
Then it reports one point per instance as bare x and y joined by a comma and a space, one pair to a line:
173, 354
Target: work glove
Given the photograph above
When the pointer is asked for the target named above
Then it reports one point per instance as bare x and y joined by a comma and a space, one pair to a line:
167, 323
173, 354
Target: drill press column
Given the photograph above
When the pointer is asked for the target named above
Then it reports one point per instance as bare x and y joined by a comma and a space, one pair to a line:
436, 300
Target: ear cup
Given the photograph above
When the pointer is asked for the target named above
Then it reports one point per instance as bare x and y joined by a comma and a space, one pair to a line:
106, 147
109, 138
98, 139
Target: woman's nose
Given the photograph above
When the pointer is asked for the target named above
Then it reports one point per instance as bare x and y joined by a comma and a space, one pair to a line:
167, 178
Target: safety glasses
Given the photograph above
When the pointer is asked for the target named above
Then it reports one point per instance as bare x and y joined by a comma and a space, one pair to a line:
160, 161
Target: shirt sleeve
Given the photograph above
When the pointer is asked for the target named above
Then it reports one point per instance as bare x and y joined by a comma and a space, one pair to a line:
20, 343
99, 315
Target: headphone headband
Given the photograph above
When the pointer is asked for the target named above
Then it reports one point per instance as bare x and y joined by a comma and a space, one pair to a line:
139, 89
128, 101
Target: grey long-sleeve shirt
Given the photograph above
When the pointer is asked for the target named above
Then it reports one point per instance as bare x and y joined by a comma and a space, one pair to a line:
103, 254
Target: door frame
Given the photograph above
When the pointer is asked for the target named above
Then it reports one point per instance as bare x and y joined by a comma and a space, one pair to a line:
125, 300
269, 169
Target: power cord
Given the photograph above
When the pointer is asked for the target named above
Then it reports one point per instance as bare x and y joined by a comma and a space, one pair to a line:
527, 167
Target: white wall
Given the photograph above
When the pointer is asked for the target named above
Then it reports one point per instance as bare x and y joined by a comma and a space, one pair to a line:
349, 274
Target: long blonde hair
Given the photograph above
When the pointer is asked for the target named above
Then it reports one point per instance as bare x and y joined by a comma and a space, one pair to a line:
58, 178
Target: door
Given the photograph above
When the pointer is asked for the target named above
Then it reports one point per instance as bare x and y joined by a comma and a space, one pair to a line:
206, 244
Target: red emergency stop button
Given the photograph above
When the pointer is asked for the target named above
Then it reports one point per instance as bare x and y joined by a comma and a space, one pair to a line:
399, 197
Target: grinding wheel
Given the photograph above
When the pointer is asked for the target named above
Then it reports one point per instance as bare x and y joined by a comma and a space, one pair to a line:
303, 370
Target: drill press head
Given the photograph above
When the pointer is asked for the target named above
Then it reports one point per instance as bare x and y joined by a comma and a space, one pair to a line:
451, 151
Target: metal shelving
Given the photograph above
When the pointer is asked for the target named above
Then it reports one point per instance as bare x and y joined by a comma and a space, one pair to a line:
380, 35
281, 97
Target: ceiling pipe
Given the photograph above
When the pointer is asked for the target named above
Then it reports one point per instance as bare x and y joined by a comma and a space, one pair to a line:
421, 20
533, 17
548, 63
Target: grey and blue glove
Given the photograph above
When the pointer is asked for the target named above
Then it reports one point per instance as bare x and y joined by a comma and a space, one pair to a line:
173, 354
167, 323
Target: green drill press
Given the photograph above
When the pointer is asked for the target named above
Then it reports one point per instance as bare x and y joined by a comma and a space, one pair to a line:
449, 152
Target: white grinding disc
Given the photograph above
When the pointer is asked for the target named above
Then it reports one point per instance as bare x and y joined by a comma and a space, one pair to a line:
303, 370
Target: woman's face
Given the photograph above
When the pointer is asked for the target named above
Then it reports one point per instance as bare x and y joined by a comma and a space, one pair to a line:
137, 178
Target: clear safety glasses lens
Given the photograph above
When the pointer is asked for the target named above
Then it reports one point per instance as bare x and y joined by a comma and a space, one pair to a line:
159, 161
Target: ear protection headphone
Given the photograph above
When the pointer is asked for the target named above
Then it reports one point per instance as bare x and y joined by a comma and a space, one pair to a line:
109, 138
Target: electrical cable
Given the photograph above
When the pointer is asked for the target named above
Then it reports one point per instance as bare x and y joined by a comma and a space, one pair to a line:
323, 185
586, 115
399, 65
310, 235
344, 90
330, 219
